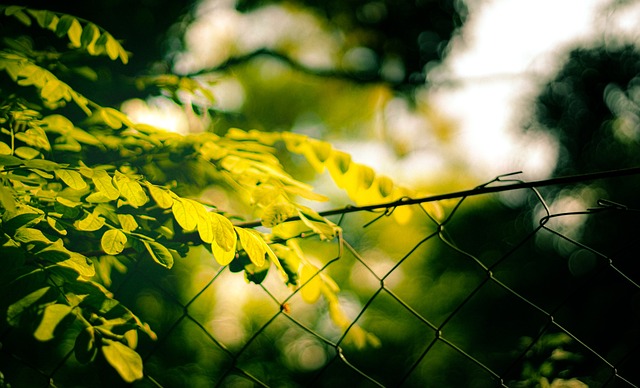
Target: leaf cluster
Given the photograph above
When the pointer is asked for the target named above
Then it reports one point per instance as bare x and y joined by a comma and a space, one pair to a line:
83, 197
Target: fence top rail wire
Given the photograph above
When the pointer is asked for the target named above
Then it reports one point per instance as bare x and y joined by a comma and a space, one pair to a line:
480, 190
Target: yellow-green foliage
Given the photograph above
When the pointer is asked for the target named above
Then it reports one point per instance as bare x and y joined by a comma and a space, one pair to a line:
80, 194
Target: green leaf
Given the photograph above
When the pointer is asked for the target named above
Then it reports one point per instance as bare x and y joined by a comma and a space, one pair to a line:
123, 359
58, 254
253, 244
130, 189
84, 137
52, 317
4, 148
15, 311
17, 13
113, 241
161, 196
90, 223
58, 123
159, 253
6, 199
66, 207
11, 224
43, 164
85, 346
26, 152
72, 178
30, 235
90, 34
185, 212
57, 226
8, 160
103, 182
64, 24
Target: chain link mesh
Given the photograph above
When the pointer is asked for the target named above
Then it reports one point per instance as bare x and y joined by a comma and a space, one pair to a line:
512, 288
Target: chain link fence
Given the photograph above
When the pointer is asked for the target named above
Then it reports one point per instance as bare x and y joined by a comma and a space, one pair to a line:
518, 284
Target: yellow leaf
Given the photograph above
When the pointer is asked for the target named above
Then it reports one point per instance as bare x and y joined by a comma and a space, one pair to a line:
127, 222
90, 223
123, 359
224, 232
161, 196
72, 178
159, 253
74, 33
310, 291
53, 315
222, 256
385, 186
103, 182
186, 213
205, 226
112, 46
58, 123
89, 36
253, 244
130, 189
113, 241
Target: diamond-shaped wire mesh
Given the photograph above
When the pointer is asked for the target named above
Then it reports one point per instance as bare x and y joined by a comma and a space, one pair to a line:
487, 295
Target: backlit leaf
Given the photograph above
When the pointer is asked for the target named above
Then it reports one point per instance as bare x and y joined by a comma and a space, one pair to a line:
72, 178
57, 226
224, 244
74, 33
103, 182
123, 359
90, 34
253, 244
310, 291
159, 253
130, 189
186, 213
127, 222
385, 186
113, 241
161, 196
4, 148
90, 223
30, 235
58, 123
51, 318
205, 226
26, 152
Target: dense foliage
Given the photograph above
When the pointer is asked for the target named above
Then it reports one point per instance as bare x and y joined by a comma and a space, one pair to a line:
84, 191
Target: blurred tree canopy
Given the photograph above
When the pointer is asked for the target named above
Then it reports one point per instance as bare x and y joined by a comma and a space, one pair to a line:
404, 37
592, 106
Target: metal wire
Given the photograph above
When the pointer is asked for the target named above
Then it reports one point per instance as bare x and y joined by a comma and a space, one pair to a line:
546, 331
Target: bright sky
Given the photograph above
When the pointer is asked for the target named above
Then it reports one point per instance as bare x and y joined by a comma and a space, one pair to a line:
517, 38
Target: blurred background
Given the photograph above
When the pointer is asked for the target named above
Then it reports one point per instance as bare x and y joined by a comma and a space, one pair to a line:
440, 95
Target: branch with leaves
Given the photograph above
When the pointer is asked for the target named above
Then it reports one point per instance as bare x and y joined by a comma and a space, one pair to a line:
77, 195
